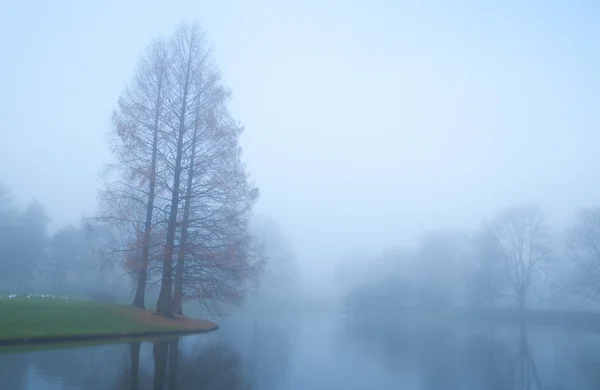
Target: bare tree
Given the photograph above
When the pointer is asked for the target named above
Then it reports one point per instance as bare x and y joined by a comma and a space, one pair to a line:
584, 251
211, 198
138, 122
522, 238
204, 147
129, 198
188, 53
488, 277
221, 260
179, 175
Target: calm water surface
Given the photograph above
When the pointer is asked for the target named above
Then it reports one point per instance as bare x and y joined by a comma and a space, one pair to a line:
322, 352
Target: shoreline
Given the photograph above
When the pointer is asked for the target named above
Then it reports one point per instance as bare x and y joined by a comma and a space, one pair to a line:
43, 340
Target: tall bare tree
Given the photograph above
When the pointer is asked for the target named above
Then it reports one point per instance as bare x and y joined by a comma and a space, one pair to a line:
208, 94
584, 251
523, 241
188, 53
138, 123
215, 235
180, 176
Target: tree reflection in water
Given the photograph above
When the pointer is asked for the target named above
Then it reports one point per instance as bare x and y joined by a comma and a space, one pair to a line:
90, 368
527, 376
160, 352
491, 364
483, 356
217, 367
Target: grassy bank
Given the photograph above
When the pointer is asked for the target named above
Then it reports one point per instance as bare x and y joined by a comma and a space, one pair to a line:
53, 320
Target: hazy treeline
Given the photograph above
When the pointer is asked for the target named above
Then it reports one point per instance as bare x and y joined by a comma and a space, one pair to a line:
515, 259
68, 261
81, 260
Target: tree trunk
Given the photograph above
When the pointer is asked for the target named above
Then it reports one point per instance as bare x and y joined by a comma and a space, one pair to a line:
164, 305
134, 350
178, 293
521, 301
173, 364
160, 353
140, 292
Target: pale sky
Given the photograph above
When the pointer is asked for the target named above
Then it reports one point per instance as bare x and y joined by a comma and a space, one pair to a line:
367, 122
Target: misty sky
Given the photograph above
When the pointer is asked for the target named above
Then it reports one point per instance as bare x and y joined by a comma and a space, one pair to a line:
366, 122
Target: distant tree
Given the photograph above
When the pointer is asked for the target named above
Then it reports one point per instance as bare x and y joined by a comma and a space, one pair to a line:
23, 240
76, 263
64, 252
487, 280
10, 235
279, 278
439, 262
522, 238
349, 272
584, 252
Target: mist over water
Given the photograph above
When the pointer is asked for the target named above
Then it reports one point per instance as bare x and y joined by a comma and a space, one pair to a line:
322, 352
384, 194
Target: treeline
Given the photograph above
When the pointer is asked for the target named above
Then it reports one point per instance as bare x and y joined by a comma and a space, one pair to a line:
179, 193
81, 261
69, 261
513, 260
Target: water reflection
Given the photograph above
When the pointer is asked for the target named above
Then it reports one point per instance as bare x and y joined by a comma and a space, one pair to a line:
493, 365
134, 353
244, 354
481, 356
13, 371
527, 373
160, 350
269, 356
323, 353
78, 368
216, 367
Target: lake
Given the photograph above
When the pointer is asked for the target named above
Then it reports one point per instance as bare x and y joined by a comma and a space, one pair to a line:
322, 352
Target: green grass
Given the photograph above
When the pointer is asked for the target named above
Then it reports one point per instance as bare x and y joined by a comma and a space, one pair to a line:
30, 319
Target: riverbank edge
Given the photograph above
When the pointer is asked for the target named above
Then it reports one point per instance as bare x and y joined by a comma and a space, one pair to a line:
28, 321
103, 336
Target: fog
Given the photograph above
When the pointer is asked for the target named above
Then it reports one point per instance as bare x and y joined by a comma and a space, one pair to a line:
363, 131
425, 170
366, 124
